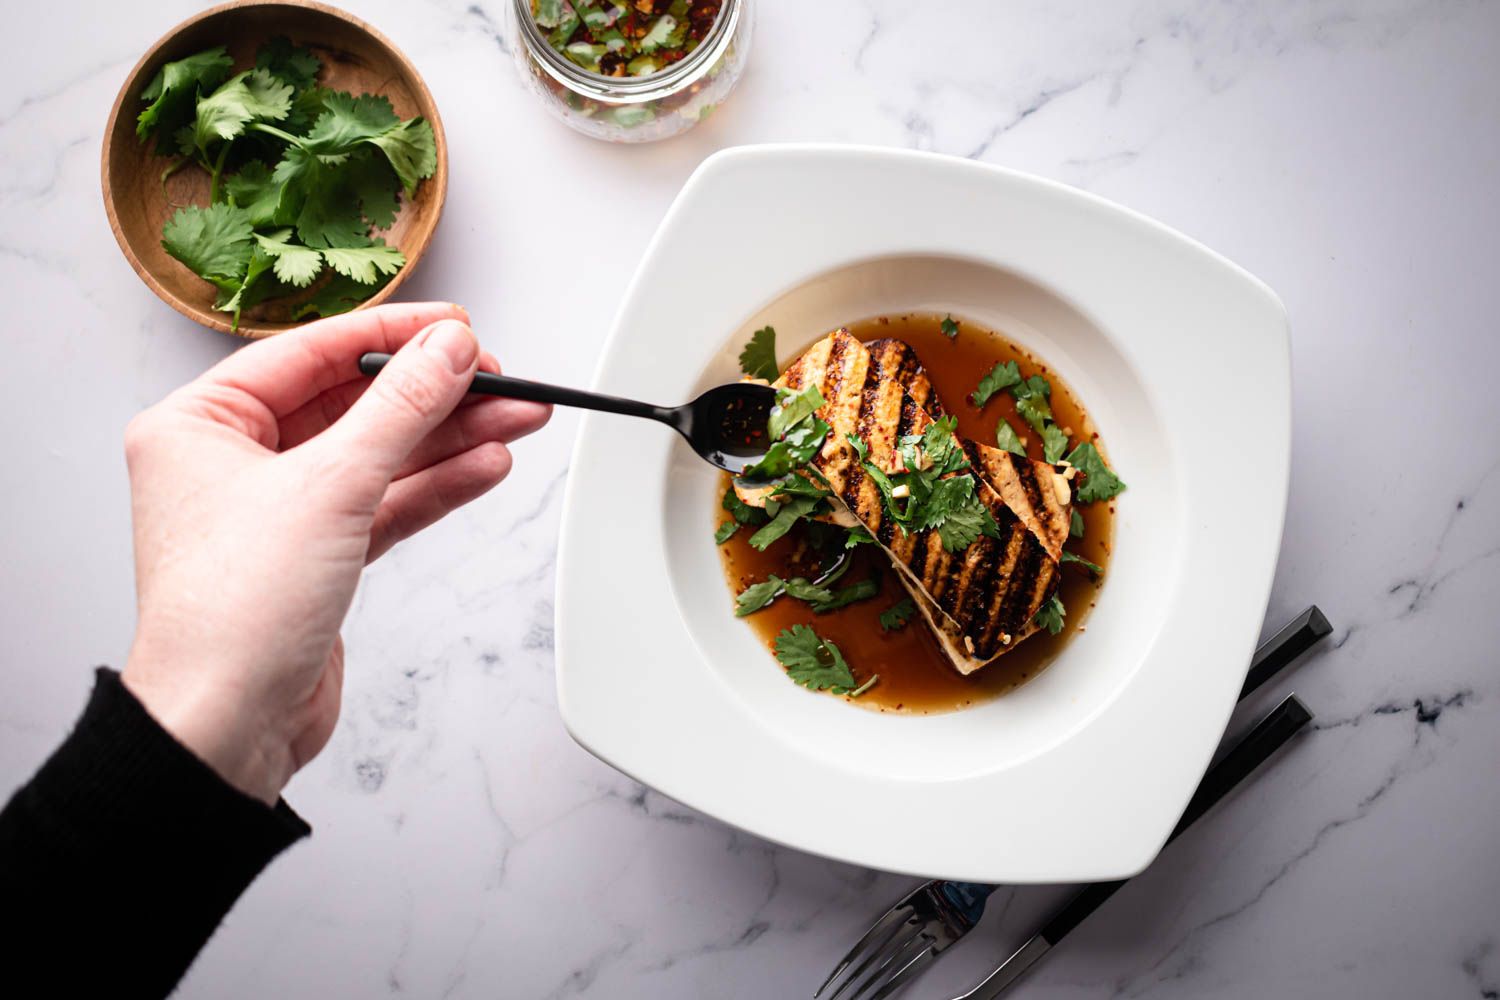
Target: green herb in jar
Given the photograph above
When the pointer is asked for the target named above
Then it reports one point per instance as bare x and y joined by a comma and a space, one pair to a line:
626, 38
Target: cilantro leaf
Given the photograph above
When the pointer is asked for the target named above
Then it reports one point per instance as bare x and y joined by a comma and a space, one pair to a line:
758, 359
1075, 525
950, 504
347, 121
726, 531
1070, 557
804, 590
288, 63
171, 91
799, 486
1050, 617
248, 291
858, 536
253, 95
1099, 482
963, 524
894, 618
941, 446
742, 512
792, 408
411, 148
787, 515
362, 263
1000, 377
758, 595
214, 242
374, 184
796, 449
253, 189
1032, 401
332, 219
949, 328
338, 295
1054, 443
944, 497
296, 265
1007, 439
845, 596
815, 663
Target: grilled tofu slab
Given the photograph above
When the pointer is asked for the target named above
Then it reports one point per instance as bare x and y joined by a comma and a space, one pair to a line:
981, 600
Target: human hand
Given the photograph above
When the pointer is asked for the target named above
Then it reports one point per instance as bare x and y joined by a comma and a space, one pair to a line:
258, 493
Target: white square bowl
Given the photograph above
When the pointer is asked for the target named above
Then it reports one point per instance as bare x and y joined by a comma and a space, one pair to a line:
1182, 359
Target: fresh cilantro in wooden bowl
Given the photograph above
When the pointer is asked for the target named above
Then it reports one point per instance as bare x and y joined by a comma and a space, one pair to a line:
269, 163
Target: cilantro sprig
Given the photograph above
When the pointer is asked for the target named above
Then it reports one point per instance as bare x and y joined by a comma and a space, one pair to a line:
1007, 439
1001, 377
1051, 616
1092, 567
758, 359
816, 663
928, 493
1033, 401
300, 178
796, 434
1100, 482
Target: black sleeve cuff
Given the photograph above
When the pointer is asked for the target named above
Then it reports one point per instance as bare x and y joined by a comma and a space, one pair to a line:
125, 842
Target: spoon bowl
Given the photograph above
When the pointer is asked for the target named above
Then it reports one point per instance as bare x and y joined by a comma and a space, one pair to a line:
727, 424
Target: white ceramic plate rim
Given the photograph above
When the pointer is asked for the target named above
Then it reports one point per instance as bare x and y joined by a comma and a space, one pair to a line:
1099, 802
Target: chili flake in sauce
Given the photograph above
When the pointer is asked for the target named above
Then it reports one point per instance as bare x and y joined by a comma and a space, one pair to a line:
630, 38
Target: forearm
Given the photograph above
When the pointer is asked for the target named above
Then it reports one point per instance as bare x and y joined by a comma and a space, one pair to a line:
123, 853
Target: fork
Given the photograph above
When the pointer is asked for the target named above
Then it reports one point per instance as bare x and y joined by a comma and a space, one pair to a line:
928, 920
921, 926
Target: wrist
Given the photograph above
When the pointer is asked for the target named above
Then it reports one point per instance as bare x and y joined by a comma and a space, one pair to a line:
214, 724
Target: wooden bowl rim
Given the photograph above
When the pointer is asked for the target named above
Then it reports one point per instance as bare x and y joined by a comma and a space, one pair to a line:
426, 105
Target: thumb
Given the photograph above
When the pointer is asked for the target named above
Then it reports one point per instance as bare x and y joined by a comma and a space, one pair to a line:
416, 391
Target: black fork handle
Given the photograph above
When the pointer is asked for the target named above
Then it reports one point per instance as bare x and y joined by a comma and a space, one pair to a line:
489, 384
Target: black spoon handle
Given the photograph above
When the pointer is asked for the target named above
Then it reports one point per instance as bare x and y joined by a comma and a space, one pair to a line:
489, 384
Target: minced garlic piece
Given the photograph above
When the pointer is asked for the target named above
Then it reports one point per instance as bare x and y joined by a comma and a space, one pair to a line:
1060, 487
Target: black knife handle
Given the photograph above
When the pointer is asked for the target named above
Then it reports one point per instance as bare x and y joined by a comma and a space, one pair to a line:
1284, 722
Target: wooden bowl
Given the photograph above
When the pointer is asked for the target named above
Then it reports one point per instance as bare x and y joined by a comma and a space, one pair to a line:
356, 58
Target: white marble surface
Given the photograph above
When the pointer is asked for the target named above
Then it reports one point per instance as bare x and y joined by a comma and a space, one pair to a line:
1345, 151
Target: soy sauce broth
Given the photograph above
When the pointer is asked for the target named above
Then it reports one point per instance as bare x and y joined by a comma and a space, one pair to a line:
915, 675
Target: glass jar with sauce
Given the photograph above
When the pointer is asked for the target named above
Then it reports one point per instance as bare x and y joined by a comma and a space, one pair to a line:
583, 81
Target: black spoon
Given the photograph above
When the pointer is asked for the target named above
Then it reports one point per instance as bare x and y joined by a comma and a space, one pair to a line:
726, 425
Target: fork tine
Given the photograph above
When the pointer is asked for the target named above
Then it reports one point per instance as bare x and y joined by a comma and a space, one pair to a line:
888, 921
892, 966
906, 974
896, 943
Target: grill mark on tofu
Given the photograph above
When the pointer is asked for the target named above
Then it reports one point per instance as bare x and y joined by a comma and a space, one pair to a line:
1018, 607
992, 588
988, 643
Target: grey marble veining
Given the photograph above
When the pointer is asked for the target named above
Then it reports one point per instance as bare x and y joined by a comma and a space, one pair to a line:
1344, 151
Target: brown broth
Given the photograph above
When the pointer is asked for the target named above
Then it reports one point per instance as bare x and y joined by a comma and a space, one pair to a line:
915, 675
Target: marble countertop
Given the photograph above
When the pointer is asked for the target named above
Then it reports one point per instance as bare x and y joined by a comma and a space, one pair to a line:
1345, 152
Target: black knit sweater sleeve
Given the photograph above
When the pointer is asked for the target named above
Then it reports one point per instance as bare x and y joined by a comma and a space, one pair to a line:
123, 853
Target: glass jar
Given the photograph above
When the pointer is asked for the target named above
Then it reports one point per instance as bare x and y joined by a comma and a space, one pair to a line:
635, 109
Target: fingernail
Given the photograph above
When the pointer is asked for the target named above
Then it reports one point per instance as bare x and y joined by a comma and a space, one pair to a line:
454, 343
